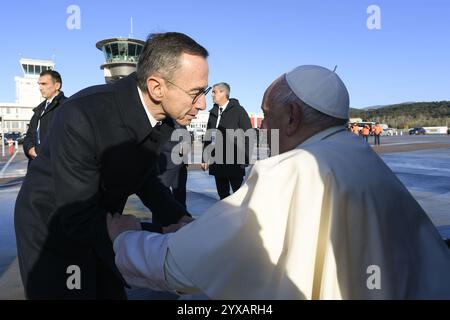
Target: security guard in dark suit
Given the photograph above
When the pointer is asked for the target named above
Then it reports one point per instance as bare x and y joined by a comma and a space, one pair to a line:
50, 84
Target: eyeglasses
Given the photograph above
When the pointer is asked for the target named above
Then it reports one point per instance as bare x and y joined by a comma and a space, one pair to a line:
194, 97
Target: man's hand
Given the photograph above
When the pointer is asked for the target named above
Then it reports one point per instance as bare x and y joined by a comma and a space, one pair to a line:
180, 224
204, 166
117, 223
185, 219
32, 153
173, 227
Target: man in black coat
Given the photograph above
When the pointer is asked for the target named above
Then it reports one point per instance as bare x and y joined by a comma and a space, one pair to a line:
226, 114
103, 147
50, 84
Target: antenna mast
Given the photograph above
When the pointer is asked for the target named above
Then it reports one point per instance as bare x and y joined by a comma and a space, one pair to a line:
131, 25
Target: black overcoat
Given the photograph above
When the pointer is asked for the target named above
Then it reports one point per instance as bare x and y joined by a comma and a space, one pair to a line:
101, 150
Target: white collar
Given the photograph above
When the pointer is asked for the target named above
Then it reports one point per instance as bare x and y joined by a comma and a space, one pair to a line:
322, 135
152, 120
224, 106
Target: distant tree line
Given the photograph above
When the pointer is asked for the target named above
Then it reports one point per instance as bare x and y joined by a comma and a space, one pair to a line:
408, 115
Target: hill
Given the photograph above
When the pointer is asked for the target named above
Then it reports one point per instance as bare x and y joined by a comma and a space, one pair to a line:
407, 115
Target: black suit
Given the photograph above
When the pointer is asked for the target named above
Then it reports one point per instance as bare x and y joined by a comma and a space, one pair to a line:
102, 149
173, 176
233, 117
44, 119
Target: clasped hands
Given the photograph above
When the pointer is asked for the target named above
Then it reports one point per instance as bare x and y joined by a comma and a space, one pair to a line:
118, 223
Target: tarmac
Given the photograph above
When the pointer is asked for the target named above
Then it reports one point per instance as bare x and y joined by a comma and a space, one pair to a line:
421, 163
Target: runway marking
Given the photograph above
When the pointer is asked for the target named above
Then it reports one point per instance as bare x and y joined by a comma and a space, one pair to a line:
7, 164
402, 143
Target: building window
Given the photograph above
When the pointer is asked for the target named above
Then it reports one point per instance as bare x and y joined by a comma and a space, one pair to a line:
139, 50
114, 50
132, 52
123, 51
108, 53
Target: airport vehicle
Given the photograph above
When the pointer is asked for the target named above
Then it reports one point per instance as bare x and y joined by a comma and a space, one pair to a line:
14, 136
436, 130
416, 131
387, 132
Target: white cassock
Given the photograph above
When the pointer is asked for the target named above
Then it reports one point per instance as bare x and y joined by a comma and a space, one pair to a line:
327, 220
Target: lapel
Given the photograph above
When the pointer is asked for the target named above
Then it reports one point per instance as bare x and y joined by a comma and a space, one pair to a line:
213, 116
229, 106
215, 111
158, 136
53, 105
39, 108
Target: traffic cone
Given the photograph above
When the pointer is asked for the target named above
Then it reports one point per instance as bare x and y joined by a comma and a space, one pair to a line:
10, 148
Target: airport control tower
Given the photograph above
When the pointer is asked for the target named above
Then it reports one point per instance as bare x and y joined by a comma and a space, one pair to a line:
121, 56
27, 88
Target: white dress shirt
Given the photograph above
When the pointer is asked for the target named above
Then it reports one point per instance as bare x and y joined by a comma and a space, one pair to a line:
220, 113
152, 119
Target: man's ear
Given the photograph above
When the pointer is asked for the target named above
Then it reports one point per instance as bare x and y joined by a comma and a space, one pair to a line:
155, 88
294, 115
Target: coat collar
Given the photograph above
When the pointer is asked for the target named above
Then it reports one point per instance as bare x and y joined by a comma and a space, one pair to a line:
231, 103
133, 113
55, 103
322, 135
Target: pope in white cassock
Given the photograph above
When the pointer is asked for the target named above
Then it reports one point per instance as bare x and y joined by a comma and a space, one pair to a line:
303, 226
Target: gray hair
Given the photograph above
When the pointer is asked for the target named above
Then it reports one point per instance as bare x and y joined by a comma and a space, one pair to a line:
282, 95
161, 54
224, 86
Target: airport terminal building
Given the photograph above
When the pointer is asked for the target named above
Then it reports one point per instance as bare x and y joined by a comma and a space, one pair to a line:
16, 115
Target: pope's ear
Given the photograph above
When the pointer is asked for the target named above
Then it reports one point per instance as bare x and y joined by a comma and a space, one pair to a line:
155, 88
294, 120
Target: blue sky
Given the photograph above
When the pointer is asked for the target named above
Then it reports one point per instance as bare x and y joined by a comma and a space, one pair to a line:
250, 42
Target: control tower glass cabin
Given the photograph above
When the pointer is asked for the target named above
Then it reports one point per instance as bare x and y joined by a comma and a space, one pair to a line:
121, 55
